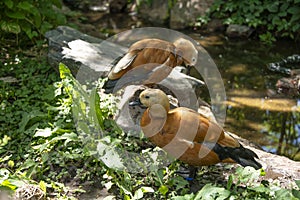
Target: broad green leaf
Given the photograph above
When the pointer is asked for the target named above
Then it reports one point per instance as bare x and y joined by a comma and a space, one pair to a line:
283, 194
15, 14
210, 192
138, 194
273, 8
24, 5
43, 132
10, 27
296, 193
9, 3
294, 10
31, 118
147, 189
110, 156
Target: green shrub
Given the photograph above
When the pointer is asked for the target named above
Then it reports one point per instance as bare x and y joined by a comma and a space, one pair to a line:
272, 19
31, 18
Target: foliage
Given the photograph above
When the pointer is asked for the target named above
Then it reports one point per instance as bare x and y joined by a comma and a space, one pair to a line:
272, 19
30, 17
41, 147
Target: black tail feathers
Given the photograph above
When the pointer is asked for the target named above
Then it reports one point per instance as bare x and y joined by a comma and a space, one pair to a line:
243, 156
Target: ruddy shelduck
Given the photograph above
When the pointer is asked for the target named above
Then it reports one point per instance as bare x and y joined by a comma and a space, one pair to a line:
153, 60
188, 135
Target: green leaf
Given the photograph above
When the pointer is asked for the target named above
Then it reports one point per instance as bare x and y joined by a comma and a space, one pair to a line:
64, 71
273, 8
10, 27
296, 193
229, 182
5, 158
210, 192
297, 183
15, 14
147, 189
57, 3
138, 194
9, 3
294, 10
8, 184
43, 186
110, 156
24, 5
284, 194
185, 197
43, 132
163, 189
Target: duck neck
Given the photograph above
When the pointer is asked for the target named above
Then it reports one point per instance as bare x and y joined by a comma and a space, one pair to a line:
158, 111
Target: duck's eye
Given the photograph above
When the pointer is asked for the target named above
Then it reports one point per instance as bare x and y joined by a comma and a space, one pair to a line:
147, 97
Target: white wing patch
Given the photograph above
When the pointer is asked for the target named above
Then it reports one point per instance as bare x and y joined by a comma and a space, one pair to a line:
124, 63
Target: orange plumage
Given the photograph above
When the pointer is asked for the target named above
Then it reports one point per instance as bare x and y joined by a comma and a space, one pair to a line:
188, 135
154, 58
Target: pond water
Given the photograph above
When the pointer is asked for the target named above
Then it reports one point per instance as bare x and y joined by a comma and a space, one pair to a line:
254, 110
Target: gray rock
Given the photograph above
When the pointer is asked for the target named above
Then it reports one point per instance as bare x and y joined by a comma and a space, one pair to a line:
185, 12
241, 31
156, 12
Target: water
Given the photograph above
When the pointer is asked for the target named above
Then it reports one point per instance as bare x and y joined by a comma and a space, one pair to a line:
254, 110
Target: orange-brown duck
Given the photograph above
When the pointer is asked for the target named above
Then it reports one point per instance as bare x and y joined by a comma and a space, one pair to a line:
188, 135
153, 59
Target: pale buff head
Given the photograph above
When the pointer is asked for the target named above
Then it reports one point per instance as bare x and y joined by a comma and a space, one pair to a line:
187, 51
151, 97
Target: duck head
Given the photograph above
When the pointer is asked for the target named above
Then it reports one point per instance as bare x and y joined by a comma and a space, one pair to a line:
187, 51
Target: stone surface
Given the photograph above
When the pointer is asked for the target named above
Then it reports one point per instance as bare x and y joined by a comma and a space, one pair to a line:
185, 12
156, 12
238, 31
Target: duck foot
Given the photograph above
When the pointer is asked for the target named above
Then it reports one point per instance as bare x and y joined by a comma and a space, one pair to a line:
188, 174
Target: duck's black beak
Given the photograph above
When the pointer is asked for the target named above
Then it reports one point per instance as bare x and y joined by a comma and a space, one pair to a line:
135, 103
188, 69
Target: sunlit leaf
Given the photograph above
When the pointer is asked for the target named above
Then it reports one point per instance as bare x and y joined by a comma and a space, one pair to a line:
138, 194
210, 192
43, 186
147, 189
43, 132
163, 189
8, 184
10, 27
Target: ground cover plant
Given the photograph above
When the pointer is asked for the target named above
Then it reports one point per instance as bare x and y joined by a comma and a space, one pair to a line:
43, 155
